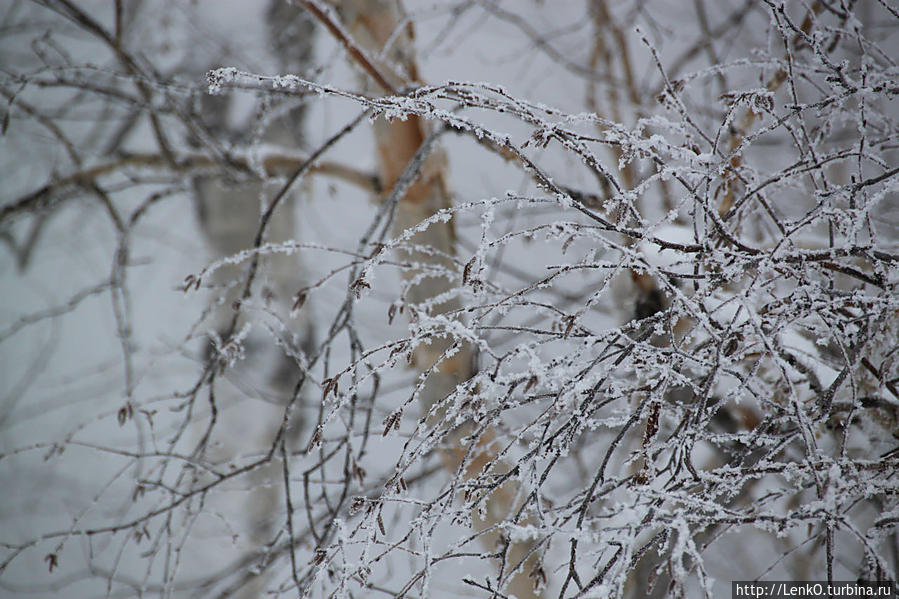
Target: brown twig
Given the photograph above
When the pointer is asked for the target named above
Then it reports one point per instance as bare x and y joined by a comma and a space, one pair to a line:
357, 54
274, 166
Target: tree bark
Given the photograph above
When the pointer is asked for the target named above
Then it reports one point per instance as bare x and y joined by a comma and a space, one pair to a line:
373, 24
230, 215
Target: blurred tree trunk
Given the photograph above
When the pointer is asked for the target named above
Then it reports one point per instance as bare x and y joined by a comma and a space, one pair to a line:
374, 24
229, 211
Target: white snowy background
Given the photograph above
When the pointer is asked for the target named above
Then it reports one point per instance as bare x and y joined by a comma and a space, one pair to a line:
68, 464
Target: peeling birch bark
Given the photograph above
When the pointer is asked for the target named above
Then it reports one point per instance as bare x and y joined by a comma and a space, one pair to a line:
378, 28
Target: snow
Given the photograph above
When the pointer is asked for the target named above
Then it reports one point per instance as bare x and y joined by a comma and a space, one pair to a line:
661, 299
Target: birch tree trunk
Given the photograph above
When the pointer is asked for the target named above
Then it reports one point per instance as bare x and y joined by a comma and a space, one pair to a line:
378, 28
229, 213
